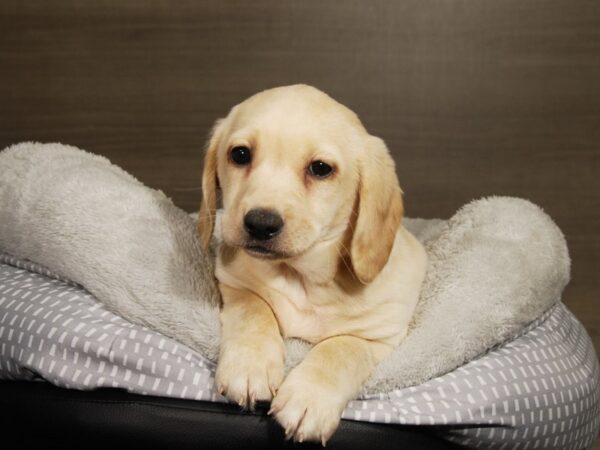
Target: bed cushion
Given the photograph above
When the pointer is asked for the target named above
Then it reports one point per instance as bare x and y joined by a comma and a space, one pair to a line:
540, 389
494, 266
492, 356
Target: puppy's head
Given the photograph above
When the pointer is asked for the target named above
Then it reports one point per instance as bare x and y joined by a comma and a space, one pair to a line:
298, 170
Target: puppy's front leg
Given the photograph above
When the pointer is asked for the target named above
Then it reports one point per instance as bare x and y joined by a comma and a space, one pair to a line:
251, 355
312, 398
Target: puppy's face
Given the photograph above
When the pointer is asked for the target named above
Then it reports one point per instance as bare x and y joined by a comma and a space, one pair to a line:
288, 172
290, 163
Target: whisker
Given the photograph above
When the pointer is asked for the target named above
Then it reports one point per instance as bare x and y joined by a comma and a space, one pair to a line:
344, 260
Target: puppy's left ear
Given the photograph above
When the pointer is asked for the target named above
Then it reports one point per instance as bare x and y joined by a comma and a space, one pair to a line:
380, 211
210, 184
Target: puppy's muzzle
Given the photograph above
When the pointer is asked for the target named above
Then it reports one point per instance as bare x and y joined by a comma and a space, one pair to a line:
262, 224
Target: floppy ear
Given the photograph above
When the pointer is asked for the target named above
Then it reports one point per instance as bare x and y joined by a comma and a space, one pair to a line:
380, 211
210, 184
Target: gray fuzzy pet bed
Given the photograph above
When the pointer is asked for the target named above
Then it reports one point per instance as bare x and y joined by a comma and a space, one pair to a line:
104, 283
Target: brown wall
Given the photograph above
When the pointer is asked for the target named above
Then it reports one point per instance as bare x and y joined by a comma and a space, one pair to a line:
474, 97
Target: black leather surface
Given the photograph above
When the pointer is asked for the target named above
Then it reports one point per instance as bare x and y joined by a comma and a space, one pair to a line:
39, 414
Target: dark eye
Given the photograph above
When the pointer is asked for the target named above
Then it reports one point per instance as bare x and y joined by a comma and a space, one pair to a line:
241, 155
319, 169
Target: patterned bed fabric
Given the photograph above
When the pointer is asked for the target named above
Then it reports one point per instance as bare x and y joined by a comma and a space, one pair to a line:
540, 390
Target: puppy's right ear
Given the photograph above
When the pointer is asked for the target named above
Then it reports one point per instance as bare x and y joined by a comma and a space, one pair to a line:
210, 184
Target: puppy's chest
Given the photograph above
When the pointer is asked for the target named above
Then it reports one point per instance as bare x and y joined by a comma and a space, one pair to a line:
302, 310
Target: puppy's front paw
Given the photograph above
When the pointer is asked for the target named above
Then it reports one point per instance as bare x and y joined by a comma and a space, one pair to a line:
246, 375
307, 411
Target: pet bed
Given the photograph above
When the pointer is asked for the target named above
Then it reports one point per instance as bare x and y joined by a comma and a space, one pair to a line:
514, 369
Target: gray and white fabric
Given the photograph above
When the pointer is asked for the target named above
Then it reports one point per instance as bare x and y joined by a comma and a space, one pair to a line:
493, 267
539, 390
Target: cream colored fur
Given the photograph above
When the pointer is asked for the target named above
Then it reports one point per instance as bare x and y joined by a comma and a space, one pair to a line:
344, 274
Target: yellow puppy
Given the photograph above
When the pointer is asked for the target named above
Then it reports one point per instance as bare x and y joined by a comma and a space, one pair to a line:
313, 248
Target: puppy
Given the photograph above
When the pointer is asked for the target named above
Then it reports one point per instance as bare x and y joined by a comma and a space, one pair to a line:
312, 248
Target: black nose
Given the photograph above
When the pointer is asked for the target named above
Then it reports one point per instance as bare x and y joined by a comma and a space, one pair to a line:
263, 224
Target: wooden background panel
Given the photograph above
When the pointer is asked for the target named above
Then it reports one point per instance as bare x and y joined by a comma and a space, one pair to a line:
474, 98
